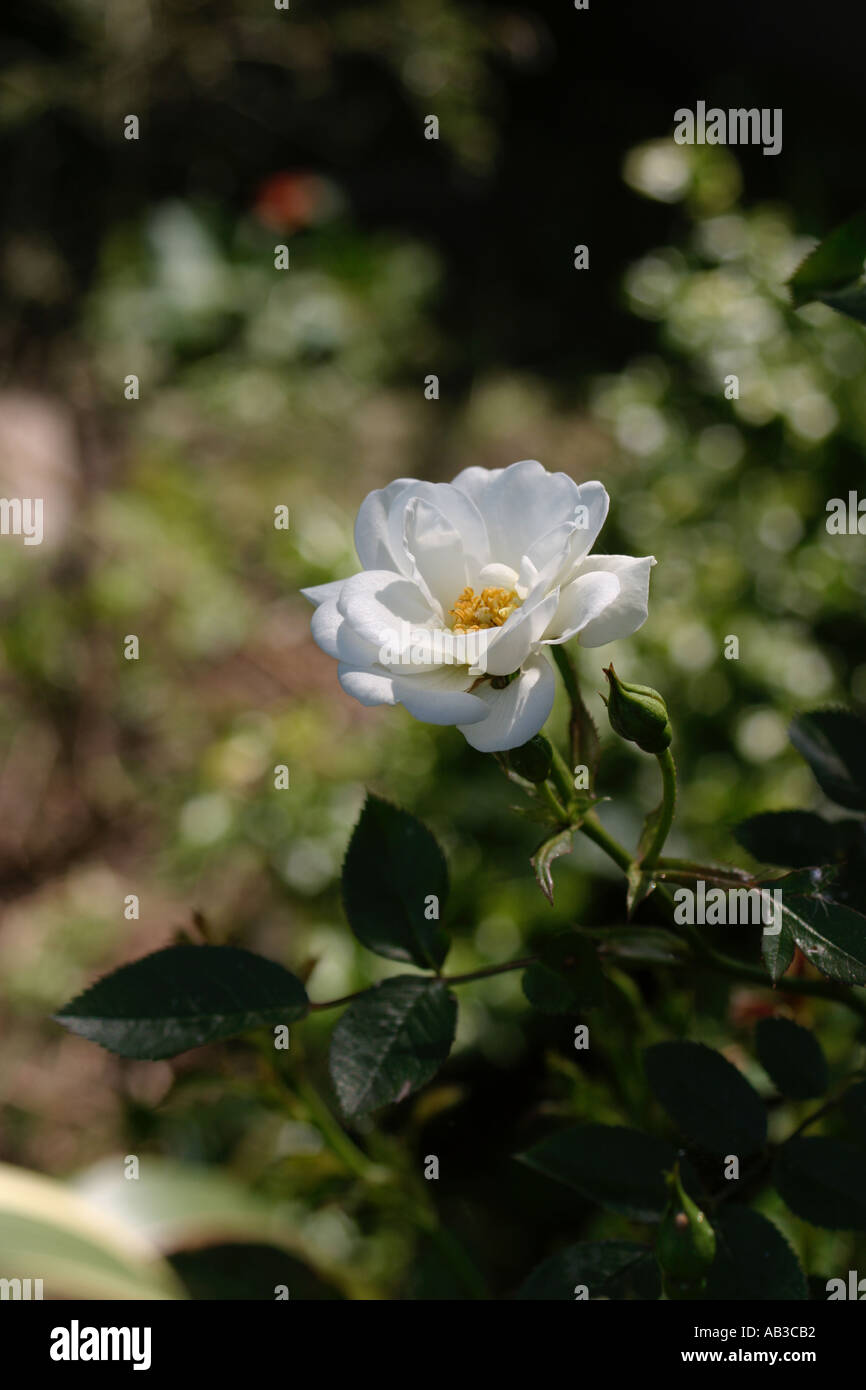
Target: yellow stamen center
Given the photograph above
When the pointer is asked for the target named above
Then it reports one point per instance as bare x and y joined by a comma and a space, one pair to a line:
490, 608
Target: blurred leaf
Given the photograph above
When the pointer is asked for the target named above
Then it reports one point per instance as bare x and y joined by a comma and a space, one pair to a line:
390, 1041
77, 1250
183, 997
232, 1272
542, 859
793, 839
615, 1269
753, 1259
568, 977
833, 742
707, 1098
824, 1182
792, 1058
622, 1169
392, 866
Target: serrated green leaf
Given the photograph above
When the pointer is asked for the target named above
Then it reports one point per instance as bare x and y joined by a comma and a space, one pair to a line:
824, 1182
834, 265
753, 1260
390, 1041
792, 839
621, 1169
615, 1269
542, 860
183, 997
568, 978
833, 742
830, 935
707, 1098
792, 1058
393, 866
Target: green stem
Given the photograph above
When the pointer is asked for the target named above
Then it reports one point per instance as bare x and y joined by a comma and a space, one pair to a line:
583, 735
335, 1136
553, 802
716, 960
562, 777
593, 829
482, 974
668, 770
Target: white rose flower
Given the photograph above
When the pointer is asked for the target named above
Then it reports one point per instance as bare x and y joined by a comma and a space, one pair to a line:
464, 585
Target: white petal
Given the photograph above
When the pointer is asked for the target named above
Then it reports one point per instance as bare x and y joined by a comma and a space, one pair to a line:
474, 482
547, 559
509, 646
628, 611
581, 603
458, 511
517, 712
496, 576
440, 698
371, 527
318, 593
436, 548
521, 504
325, 624
381, 607
352, 649
367, 687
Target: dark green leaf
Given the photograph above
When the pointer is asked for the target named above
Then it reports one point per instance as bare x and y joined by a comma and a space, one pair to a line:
830, 935
568, 977
393, 867
778, 951
833, 742
613, 1269
793, 839
390, 1041
707, 1098
753, 1259
824, 1182
542, 860
834, 267
621, 1169
642, 945
792, 1058
183, 997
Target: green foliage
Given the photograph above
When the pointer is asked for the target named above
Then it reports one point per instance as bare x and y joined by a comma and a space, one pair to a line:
621, 1169
183, 997
707, 1098
568, 976
393, 866
753, 1260
390, 1041
614, 1269
834, 272
822, 1181
793, 1058
833, 742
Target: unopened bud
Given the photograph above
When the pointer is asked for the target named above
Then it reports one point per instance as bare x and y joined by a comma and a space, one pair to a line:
686, 1245
532, 760
638, 713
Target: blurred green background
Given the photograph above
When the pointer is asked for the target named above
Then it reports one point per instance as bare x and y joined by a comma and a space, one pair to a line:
306, 388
